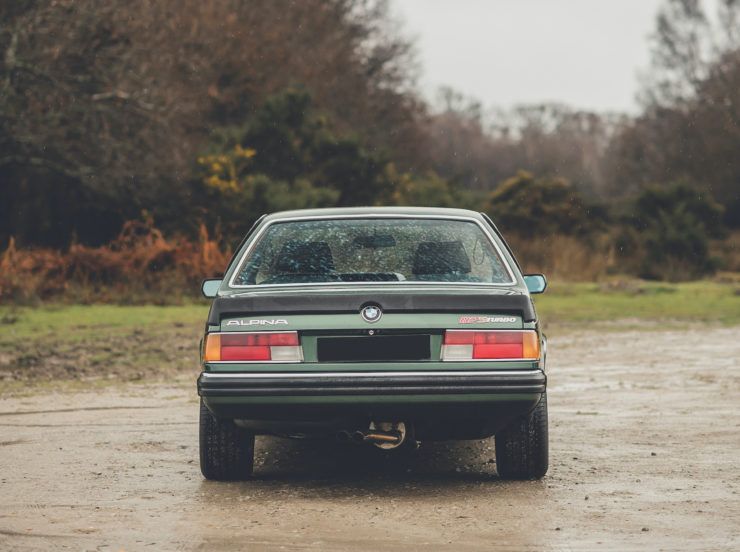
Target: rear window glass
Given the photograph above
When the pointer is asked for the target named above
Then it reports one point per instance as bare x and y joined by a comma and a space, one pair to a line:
372, 250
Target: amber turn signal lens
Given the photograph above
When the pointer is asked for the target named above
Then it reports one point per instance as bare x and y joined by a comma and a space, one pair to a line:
212, 348
531, 344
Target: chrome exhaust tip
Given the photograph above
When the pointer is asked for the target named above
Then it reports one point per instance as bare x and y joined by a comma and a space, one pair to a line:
387, 435
384, 435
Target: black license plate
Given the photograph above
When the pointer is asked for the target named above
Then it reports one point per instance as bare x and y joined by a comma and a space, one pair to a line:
373, 348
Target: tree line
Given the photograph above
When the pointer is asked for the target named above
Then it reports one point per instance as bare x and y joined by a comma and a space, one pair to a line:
211, 113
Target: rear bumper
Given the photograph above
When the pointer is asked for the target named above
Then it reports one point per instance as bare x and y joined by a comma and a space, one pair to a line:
328, 384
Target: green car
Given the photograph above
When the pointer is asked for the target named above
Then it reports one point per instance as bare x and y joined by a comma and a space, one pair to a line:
383, 326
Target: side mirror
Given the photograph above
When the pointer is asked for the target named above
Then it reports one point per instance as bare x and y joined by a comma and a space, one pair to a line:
536, 283
210, 287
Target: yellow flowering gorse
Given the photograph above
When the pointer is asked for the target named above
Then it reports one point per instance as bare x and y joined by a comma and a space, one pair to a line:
223, 169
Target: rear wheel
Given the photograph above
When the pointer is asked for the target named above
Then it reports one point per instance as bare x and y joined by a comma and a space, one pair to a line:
522, 449
226, 451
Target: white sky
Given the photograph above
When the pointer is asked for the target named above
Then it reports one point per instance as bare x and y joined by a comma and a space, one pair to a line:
584, 53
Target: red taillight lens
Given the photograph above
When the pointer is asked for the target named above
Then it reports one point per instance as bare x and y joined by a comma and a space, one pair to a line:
497, 350
453, 337
259, 339
490, 345
277, 346
245, 353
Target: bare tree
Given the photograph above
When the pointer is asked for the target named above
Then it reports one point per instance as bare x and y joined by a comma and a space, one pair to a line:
690, 128
482, 150
685, 45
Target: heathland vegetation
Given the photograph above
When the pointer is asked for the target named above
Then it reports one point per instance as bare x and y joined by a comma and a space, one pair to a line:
135, 151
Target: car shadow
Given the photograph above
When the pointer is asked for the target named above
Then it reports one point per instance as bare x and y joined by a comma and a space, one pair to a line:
346, 468
328, 469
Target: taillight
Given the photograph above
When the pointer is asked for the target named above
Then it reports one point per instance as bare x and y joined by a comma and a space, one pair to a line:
269, 346
490, 345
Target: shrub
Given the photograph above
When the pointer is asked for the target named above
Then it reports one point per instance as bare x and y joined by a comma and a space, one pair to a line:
534, 207
671, 228
140, 265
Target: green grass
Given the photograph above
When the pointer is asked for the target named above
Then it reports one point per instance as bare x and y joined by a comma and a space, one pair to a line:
634, 300
68, 322
97, 344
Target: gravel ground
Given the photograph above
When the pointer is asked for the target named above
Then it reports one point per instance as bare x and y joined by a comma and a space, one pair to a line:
644, 442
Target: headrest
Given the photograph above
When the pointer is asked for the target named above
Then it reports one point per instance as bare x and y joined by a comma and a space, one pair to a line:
441, 258
305, 258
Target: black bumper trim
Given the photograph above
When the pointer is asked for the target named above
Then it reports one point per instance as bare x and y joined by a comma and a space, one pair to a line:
223, 384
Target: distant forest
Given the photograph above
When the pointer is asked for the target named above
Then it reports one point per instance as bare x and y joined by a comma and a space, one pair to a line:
187, 115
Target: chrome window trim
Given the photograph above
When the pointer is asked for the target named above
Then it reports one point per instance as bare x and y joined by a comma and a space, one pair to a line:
407, 283
258, 236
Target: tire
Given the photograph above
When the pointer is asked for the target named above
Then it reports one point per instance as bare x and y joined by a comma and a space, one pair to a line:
522, 449
226, 451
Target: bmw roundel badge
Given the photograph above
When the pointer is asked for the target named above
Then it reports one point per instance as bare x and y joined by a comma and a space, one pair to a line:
371, 313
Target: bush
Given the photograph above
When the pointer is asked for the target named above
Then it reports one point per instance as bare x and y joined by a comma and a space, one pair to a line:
140, 265
670, 232
535, 207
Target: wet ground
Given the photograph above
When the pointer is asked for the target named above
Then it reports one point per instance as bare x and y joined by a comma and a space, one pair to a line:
644, 437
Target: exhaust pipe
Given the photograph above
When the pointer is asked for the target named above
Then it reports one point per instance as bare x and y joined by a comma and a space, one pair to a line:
385, 435
394, 438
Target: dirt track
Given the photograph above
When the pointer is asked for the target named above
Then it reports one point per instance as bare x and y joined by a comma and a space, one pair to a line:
644, 435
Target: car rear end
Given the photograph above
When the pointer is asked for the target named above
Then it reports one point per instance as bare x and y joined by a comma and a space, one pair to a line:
415, 342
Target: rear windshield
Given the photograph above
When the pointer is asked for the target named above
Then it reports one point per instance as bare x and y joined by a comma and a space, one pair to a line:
372, 250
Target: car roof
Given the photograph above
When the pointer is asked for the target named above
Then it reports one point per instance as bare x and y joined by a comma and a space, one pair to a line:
383, 211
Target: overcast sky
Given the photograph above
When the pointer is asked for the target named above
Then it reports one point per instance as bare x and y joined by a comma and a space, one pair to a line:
585, 53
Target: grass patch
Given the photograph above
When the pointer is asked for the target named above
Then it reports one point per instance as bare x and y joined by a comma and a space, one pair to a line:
97, 344
69, 322
715, 302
